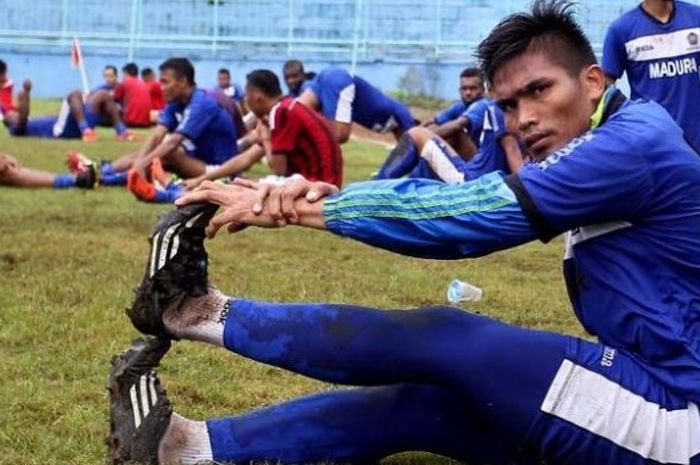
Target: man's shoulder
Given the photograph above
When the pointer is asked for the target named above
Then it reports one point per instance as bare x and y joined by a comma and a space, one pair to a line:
628, 21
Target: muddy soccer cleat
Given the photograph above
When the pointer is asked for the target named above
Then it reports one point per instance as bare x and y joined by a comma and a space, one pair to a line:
86, 179
176, 268
139, 409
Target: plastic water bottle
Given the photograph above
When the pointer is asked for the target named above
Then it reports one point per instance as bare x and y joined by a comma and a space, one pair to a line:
459, 291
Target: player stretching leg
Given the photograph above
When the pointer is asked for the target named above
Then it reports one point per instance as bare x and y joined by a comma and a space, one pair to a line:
443, 380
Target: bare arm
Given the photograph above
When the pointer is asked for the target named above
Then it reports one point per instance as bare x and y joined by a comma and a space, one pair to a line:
451, 127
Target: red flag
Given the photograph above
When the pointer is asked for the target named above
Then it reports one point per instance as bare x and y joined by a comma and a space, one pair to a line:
76, 56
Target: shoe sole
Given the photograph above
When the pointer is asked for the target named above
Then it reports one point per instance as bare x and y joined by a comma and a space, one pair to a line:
121, 363
165, 240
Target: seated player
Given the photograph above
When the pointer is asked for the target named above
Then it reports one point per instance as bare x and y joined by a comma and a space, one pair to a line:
345, 99
296, 78
194, 135
12, 173
471, 89
464, 132
8, 110
111, 79
616, 174
76, 118
134, 96
297, 139
156, 92
228, 87
422, 154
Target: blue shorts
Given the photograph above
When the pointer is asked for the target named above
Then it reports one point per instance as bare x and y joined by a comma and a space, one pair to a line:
63, 126
345, 98
211, 150
604, 407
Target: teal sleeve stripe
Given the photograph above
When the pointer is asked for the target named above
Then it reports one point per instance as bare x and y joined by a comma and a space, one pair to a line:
423, 200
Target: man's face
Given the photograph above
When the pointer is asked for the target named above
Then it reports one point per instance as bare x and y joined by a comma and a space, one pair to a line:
224, 80
3, 78
110, 77
147, 77
543, 103
470, 88
255, 101
293, 76
175, 88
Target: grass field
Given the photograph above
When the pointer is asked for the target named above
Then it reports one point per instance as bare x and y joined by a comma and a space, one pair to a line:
70, 259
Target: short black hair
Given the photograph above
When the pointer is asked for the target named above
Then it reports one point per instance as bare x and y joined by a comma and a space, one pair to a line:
182, 67
550, 27
113, 69
471, 72
265, 81
146, 72
289, 64
131, 69
3, 67
225, 71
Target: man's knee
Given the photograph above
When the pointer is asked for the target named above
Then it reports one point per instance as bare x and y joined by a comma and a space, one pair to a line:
420, 136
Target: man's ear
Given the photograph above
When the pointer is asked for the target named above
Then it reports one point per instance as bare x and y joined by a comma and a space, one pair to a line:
593, 79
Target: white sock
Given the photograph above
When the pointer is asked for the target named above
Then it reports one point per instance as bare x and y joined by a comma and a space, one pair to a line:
186, 442
200, 318
439, 160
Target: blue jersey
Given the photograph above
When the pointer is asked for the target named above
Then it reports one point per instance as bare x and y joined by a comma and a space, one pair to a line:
629, 193
207, 127
475, 116
452, 112
661, 61
346, 98
491, 156
234, 91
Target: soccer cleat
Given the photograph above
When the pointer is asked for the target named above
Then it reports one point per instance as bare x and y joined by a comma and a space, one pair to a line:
86, 179
127, 136
139, 409
89, 135
176, 269
77, 162
140, 186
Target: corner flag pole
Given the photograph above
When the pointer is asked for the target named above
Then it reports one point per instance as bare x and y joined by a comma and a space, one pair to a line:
76, 59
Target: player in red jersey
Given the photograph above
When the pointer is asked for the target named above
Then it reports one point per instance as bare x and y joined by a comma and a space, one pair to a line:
294, 138
157, 97
135, 98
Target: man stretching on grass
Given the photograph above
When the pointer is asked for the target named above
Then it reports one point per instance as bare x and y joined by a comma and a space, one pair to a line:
75, 120
421, 153
12, 173
194, 134
298, 139
345, 99
616, 174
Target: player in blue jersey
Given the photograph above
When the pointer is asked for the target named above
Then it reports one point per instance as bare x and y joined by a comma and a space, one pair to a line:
428, 156
195, 133
76, 119
297, 79
345, 99
462, 132
471, 88
615, 175
658, 45
421, 153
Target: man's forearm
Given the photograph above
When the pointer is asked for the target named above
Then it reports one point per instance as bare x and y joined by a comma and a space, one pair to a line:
427, 218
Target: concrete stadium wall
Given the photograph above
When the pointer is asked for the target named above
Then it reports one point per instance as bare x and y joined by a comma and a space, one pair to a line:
53, 77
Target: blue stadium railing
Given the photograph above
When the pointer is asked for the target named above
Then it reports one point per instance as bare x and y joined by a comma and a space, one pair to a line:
444, 31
